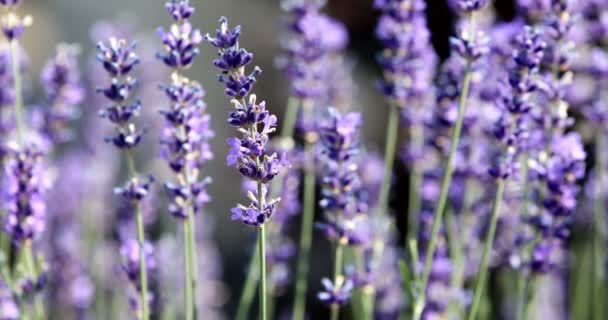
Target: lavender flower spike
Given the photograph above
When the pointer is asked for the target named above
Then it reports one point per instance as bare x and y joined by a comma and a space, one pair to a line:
248, 152
23, 190
185, 138
342, 198
64, 90
118, 58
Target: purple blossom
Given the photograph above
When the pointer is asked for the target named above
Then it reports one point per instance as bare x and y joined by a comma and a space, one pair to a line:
408, 59
513, 128
248, 153
336, 293
13, 26
180, 45
471, 5
130, 253
232, 61
9, 309
64, 91
185, 137
24, 188
179, 9
310, 41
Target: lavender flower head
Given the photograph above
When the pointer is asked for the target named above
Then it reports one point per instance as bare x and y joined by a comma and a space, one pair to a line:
232, 61
248, 153
181, 39
185, 137
64, 90
471, 5
513, 128
310, 41
9, 310
130, 253
118, 60
24, 188
407, 59
13, 25
338, 293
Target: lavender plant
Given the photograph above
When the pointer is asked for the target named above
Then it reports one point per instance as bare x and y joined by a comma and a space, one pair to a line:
118, 59
341, 200
185, 137
248, 153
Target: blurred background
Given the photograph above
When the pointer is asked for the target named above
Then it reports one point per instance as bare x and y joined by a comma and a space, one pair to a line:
73, 21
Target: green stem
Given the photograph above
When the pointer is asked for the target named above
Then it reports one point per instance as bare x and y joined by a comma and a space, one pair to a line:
483, 268
522, 277
413, 201
143, 270
30, 265
445, 186
262, 254
248, 291
191, 225
457, 255
14, 48
392, 132
141, 239
188, 310
305, 242
289, 120
600, 230
335, 308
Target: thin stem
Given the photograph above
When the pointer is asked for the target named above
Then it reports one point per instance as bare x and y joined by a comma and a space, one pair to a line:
188, 310
389, 158
30, 265
522, 277
141, 239
248, 291
262, 254
143, 270
457, 255
413, 201
289, 120
191, 226
14, 48
600, 230
305, 242
335, 308
445, 187
483, 268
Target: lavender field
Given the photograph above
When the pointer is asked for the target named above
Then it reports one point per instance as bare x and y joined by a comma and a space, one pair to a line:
304, 159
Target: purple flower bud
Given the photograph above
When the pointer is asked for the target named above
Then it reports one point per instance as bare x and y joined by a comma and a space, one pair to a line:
131, 254
13, 26
23, 191
64, 90
471, 5
338, 293
179, 9
180, 45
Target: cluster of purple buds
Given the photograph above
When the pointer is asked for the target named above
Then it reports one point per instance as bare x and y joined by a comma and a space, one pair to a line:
232, 61
513, 128
185, 137
64, 90
338, 293
407, 58
9, 309
342, 192
181, 39
24, 189
12, 24
130, 253
471, 5
561, 173
118, 60
311, 39
248, 153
